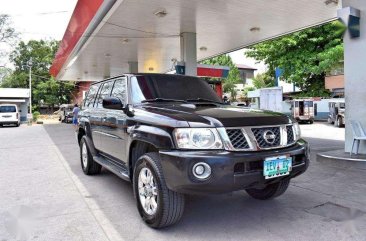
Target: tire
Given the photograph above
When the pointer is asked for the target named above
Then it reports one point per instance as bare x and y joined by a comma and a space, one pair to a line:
169, 204
89, 166
339, 122
336, 122
311, 122
330, 121
269, 192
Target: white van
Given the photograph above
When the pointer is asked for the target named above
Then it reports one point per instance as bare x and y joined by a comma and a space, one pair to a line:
9, 114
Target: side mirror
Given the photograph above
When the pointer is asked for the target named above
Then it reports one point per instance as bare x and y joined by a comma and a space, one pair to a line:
112, 103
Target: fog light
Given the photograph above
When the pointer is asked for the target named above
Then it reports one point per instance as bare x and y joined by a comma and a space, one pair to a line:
201, 170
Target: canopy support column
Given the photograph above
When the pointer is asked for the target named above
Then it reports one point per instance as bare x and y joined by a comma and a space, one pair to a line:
354, 71
188, 52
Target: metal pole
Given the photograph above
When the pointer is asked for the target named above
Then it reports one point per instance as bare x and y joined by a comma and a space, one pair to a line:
30, 86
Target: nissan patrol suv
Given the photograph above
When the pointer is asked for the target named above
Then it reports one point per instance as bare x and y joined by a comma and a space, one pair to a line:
171, 135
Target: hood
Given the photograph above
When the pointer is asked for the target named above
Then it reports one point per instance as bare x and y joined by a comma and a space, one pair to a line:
205, 115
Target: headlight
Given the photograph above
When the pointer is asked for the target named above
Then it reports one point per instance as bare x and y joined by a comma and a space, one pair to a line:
297, 130
197, 138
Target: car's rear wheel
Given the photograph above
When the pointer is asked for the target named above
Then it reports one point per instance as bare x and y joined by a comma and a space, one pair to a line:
158, 206
89, 166
270, 191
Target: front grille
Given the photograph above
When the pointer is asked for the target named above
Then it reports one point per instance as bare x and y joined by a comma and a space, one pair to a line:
290, 134
269, 143
237, 138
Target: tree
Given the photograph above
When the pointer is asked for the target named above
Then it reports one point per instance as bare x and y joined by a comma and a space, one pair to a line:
8, 35
263, 81
233, 76
45, 89
305, 56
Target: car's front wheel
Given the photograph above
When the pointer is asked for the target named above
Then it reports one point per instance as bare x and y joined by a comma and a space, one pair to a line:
89, 166
339, 122
158, 206
270, 191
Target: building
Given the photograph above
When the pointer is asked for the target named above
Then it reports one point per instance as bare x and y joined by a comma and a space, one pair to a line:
17, 96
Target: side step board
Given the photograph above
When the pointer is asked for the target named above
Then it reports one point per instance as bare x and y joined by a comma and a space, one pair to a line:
117, 169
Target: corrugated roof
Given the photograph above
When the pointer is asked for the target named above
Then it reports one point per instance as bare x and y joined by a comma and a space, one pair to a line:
14, 93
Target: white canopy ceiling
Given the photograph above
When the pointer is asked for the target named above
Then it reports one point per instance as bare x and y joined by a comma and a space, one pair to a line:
131, 32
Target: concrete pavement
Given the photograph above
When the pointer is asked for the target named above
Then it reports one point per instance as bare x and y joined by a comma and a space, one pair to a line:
46, 196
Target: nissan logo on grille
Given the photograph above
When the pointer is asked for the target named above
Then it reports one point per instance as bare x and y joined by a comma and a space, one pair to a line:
269, 137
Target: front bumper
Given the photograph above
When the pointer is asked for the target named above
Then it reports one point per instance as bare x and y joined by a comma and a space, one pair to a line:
231, 171
10, 122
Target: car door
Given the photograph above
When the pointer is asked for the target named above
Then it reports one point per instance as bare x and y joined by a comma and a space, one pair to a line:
114, 140
100, 115
88, 112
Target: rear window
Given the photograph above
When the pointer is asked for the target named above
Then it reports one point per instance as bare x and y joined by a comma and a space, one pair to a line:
7, 109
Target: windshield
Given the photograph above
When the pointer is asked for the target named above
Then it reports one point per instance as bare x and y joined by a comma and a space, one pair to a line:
171, 87
7, 109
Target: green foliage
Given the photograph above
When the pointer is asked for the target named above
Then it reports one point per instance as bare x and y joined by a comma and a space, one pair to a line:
233, 76
305, 56
4, 73
263, 81
247, 89
36, 114
45, 89
8, 35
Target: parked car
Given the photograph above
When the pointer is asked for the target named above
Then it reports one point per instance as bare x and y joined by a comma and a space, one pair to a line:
337, 109
9, 115
169, 143
65, 113
241, 105
303, 110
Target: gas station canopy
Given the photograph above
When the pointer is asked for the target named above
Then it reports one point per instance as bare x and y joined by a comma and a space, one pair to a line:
105, 38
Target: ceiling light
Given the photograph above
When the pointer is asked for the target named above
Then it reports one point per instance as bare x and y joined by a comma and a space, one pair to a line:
203, 48
255, 29
107, 55
125, 40
161, 13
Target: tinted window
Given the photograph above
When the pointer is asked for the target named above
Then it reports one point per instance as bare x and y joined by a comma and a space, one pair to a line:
90, 97
170, 87
7, 109
119, 89
342, 105
309, 103
105, 92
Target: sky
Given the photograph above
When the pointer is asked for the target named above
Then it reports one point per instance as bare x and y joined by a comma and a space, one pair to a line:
38, 19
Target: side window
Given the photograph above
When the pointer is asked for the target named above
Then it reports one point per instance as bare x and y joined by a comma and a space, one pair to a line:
105, 92
90, 97
120, 89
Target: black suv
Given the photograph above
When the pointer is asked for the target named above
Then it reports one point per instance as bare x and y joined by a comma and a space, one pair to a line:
171, 135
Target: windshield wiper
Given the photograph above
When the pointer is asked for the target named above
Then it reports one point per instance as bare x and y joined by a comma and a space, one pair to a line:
204, 100
162, 100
